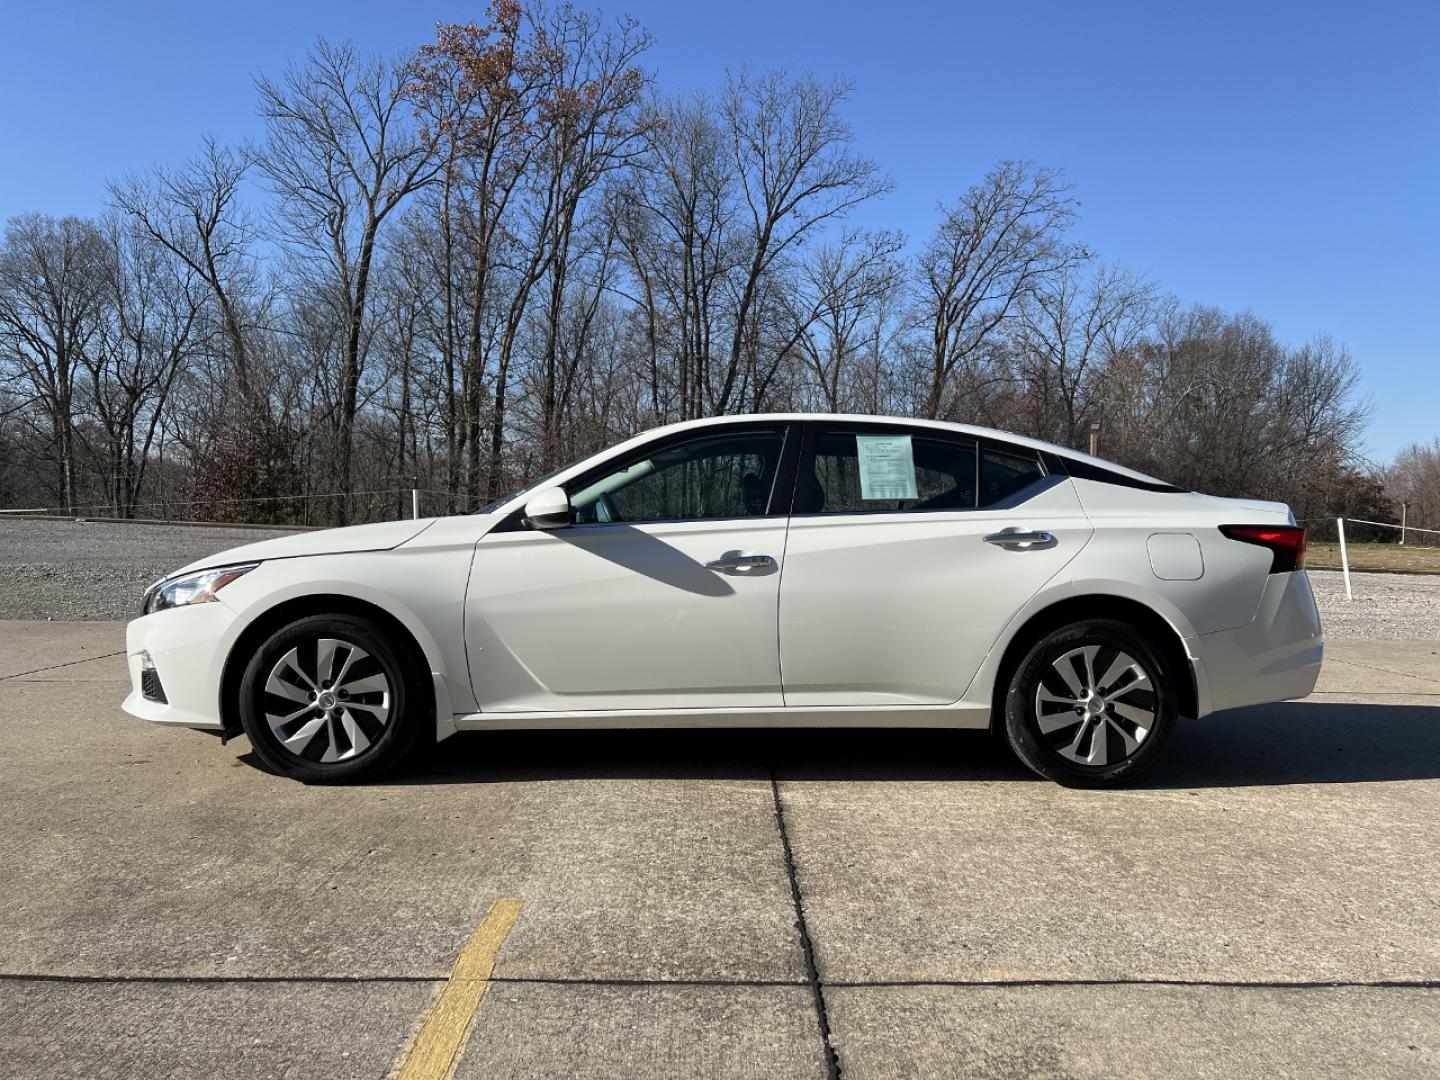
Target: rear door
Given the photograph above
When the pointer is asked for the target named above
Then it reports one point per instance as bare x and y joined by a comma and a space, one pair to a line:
907, 555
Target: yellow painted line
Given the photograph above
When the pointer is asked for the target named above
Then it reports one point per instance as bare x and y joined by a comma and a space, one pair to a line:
442, 1038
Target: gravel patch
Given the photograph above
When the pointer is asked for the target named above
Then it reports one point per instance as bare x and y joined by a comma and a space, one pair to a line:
1386, 606
69, 570
97, 570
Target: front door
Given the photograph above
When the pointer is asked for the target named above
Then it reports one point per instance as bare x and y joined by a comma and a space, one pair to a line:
897, 580
662, 595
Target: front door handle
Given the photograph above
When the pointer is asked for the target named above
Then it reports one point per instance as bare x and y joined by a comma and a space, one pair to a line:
1019, 538
733, 561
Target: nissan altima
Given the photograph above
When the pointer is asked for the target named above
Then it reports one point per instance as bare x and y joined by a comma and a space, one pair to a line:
787, 570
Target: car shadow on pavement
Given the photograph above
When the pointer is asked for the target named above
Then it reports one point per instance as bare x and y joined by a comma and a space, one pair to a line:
1289, 743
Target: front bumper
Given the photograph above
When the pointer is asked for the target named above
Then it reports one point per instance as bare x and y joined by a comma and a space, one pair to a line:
187, 647
1275, 658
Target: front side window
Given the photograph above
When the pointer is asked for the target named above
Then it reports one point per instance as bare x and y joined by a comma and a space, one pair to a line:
893, 469
727, 475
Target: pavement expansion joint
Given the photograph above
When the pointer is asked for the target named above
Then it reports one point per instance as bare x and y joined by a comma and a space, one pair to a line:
67, 663
807, 946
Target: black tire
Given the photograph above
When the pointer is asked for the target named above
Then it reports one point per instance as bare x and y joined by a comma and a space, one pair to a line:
1072, 733
367, 654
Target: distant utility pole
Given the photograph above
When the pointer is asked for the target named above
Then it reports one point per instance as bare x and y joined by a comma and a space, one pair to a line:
1094, 437
1404, 507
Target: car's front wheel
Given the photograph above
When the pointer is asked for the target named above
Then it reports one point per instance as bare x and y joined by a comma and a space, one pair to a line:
1090, 704
331, 698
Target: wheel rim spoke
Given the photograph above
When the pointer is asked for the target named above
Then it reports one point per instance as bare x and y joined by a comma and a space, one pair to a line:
1142, 682
1057, 699
1118, 667
1142, 718
1053, 722
1088, 654
289, 691
1073, 750
1066, 670
370, 684
1099, 745
359, 743
1132, 743
301, 739
378, 710
290, 662
355, 655
325, 650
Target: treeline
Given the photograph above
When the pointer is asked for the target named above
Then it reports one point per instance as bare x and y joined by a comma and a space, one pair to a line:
1413, 485
464, 268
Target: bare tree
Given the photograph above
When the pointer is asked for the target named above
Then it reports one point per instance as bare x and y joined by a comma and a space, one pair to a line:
676, 221
195, 212
53, 278
796, 172
152, 330
1414, 480
342, 157
478, 87
993, 249
593, 127
1069, 328
845, 294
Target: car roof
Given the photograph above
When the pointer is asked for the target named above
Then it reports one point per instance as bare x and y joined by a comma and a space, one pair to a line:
910, 421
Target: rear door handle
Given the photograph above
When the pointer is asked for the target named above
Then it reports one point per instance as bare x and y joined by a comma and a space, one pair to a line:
1018, 538
735, 561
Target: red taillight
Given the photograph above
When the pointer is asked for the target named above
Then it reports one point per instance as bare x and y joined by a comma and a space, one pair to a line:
1286, 543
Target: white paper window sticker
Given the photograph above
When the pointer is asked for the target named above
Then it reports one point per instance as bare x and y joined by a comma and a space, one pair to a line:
887, 467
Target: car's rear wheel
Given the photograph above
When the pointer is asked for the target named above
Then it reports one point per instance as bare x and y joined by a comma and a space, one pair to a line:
331, 698
1090, 704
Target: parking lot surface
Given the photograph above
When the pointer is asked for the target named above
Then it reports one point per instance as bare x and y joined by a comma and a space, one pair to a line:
877, 903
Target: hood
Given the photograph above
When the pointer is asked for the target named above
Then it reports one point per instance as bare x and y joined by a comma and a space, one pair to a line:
380, 536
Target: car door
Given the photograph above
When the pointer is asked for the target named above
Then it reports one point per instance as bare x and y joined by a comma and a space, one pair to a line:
898, 579
662, 595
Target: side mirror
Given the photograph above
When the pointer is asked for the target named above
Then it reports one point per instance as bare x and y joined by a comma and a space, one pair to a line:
549, 509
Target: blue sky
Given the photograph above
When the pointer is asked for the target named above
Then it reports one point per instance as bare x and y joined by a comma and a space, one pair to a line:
1282, 157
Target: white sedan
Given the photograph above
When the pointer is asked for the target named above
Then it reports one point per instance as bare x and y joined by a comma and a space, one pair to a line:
796, 570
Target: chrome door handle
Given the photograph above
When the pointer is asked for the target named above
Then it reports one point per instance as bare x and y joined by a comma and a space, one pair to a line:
1018, 538
741, 562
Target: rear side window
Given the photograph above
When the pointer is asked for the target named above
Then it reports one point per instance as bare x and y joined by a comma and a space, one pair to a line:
1006, 473
878, 471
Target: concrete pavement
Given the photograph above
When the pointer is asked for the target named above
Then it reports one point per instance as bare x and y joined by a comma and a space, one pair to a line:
1265, 901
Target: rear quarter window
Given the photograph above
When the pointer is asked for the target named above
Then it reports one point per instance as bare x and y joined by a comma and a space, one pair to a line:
1007, 472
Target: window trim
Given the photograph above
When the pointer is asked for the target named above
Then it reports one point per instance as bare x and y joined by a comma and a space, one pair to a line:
800, 503
1084, 470
777, 505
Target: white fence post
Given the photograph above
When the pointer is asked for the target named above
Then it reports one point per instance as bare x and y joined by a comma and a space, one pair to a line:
1344, 558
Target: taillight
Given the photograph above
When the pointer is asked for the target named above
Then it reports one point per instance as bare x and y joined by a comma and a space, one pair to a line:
1286, 543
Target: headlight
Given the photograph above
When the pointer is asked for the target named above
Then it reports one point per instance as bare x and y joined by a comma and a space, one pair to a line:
197, 588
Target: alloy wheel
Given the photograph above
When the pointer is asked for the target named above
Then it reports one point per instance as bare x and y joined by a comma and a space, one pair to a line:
327, 700
1095, 705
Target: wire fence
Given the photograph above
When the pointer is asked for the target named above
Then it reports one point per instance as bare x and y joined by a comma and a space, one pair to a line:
312, 509
1402, 528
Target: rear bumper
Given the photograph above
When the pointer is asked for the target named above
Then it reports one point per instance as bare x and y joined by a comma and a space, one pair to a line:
186, 648
1275, 658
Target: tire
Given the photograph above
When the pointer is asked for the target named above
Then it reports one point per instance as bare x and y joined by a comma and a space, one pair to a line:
1055, 707
356, 726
